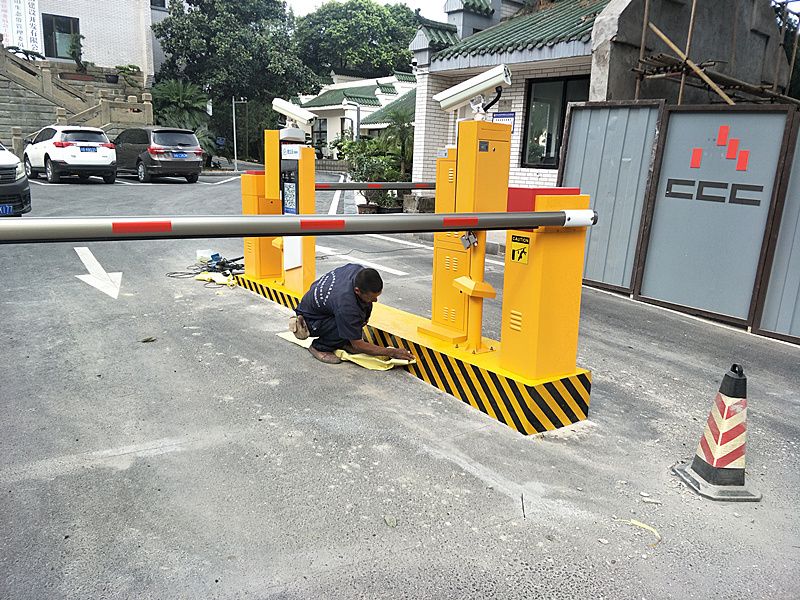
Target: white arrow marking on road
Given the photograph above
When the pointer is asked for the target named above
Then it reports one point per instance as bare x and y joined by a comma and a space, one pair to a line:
108, 283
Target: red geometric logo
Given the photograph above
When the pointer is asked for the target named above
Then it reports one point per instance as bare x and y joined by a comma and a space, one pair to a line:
740, 156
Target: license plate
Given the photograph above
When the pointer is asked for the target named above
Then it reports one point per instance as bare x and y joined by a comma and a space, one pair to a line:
88, 149
6, 209
179, 154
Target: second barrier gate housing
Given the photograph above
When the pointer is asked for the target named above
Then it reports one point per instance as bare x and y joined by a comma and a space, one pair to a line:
527, 380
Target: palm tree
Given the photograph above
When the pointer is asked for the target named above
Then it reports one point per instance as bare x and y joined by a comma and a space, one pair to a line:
398, 136
177, 103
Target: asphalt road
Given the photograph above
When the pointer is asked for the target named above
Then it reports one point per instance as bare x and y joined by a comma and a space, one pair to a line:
166, 444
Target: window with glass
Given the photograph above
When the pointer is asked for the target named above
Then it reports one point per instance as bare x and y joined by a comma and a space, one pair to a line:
158, 3
57, 33
319, 132
546, 111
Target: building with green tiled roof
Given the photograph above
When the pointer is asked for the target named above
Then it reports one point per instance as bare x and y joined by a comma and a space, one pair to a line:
364, 95
340, 104
562, 51
380, 117
547, 44
528, 35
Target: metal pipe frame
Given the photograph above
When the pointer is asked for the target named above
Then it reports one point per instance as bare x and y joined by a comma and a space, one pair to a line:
86, 229
375, 185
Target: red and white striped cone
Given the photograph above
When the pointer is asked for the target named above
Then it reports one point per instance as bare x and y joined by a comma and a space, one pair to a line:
717, 471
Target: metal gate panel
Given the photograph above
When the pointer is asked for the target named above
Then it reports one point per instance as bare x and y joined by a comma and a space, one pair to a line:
781, 312
608, 155
712, 202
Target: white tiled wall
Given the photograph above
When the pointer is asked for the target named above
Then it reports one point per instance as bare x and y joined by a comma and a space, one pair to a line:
117, 31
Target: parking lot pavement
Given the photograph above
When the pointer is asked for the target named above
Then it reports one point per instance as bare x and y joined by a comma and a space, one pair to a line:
168, 445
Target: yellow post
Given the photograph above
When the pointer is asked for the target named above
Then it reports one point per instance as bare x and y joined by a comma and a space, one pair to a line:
272, 166
450, 261
542, 295
484, 156
261, 259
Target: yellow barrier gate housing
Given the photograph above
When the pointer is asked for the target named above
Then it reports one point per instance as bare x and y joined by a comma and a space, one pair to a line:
529, 381
281, 269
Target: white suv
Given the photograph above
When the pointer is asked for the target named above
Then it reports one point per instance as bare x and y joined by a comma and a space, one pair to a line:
70, 150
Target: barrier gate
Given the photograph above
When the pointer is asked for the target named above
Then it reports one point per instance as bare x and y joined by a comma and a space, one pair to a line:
528, 380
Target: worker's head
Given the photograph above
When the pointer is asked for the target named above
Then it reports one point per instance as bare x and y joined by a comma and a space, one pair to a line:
368, 285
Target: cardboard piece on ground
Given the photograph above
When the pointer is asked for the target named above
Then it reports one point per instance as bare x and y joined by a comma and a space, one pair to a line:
373, 363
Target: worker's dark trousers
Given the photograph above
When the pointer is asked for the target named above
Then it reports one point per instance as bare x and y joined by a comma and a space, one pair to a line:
327, 334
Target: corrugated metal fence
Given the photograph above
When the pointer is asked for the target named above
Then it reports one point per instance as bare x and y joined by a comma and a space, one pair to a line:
699, 207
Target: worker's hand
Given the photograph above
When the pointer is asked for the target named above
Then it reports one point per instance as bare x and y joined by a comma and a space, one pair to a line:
401, 353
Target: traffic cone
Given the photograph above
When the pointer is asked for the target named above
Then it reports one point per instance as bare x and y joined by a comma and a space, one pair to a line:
717, 471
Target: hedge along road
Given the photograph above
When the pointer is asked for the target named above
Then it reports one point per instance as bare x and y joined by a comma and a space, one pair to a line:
216, 460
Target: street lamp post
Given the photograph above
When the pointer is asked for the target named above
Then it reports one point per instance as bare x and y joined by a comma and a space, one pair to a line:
234, 102
346, 103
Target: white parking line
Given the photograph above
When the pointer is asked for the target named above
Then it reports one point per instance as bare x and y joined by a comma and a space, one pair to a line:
220, 182
331, 252
334, 208
396, 240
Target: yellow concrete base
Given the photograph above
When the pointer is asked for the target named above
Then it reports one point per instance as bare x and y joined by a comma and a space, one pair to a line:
527, 405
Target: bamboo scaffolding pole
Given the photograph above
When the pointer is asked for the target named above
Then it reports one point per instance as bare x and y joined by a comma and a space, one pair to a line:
735, 36
780, 48
645, 21
692, 66
688, 50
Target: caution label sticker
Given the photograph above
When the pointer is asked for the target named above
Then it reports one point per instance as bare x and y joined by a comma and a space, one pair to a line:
520, 248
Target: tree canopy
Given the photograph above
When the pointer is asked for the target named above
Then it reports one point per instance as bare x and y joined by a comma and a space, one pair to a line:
233, 48
357, 35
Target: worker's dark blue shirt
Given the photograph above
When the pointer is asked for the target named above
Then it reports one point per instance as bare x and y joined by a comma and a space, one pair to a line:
333, 295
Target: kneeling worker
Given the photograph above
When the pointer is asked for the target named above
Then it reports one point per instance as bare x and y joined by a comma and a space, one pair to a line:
335, 309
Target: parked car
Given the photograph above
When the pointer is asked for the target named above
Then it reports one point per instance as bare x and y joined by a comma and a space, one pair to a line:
159, 152
60, 150
15, 193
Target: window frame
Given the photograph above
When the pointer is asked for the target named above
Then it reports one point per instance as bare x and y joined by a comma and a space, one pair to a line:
49, 41
317, 130
529, 84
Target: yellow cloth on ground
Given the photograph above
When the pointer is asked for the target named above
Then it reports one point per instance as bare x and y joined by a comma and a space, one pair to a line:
373, 363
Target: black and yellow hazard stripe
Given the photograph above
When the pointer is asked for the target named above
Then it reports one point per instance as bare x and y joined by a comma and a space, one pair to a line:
254, 285
528, 409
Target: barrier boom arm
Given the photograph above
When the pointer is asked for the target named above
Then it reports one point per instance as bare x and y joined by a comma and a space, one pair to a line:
80, 229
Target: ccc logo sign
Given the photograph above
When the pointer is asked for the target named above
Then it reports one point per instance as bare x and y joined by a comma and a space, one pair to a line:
717, 191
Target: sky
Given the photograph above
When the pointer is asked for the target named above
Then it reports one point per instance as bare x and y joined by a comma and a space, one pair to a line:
431, 9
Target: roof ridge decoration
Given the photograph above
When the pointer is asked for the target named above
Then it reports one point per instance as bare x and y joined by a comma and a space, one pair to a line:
438, 35
405, 77
478, 7
544, 23
423, 22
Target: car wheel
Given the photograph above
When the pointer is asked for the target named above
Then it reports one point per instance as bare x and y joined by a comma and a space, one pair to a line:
110, 177
142, 174
192, 178
52, 174
29, 169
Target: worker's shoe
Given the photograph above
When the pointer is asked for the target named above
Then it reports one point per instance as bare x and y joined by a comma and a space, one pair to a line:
326, 357
297, 325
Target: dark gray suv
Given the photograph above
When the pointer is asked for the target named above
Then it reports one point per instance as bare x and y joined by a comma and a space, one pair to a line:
159, 152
